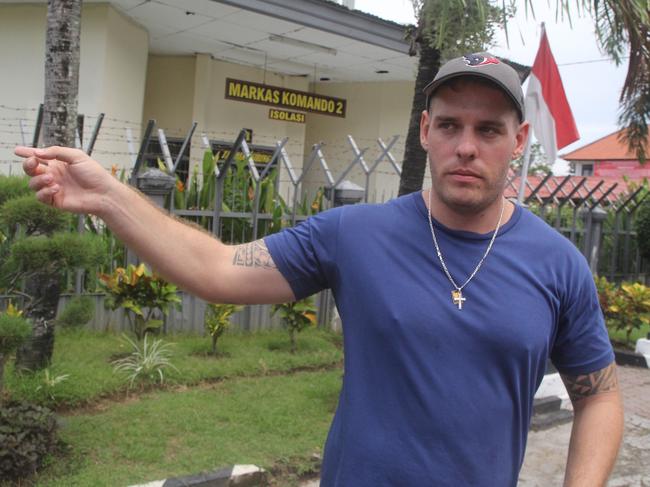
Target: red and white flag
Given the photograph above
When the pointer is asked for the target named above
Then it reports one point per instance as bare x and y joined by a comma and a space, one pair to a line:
547, 108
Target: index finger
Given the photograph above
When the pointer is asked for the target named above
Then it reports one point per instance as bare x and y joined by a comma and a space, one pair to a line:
23, 151
65, 154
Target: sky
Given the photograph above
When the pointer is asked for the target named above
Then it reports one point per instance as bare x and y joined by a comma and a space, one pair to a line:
591, 81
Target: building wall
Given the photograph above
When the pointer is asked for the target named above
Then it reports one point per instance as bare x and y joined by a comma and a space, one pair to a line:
374, 109
111, 79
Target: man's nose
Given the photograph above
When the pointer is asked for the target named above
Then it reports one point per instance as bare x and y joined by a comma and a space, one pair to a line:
466, 149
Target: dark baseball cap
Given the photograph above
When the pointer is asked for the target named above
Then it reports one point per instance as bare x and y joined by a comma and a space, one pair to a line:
482, 65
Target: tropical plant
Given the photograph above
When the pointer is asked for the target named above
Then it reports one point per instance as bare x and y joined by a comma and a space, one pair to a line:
626, 307
630, 308
14, 329
142, 294
147, 362
217, 320
296, 316
50, 382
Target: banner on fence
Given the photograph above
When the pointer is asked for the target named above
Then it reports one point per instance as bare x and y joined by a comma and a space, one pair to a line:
248, 91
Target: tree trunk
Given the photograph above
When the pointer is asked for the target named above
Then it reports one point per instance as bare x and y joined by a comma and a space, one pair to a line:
415, 158
214, 345
61, 71
36, 352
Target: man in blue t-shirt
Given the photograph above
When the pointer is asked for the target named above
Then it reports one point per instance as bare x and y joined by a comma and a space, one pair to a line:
452, 299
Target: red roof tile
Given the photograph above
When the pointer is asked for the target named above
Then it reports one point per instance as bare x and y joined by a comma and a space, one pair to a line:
606, 148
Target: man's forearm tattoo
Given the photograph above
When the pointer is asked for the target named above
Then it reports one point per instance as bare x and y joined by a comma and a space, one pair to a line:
254, 254
582, 386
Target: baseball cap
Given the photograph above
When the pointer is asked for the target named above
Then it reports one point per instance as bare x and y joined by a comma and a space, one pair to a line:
483, 65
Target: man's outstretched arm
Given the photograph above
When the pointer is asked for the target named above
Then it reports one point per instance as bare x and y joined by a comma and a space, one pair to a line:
597, 427
199, 263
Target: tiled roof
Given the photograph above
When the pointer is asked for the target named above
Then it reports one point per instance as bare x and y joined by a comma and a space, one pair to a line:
613, 187
608, 148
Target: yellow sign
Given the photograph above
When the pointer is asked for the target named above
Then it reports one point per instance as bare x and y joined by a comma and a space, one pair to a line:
285, 98
286, 115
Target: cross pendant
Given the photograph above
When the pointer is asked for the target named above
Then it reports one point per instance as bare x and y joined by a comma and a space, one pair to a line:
457, 298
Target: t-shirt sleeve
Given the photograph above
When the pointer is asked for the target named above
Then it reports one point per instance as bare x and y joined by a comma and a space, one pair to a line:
582, 344
306, 253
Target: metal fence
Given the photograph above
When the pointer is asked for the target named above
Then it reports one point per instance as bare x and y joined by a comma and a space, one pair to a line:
596, 215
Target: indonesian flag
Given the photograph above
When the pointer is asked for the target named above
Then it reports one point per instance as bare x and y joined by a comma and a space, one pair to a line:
547, 108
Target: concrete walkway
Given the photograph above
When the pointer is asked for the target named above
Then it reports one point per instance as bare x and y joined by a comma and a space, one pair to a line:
546, 450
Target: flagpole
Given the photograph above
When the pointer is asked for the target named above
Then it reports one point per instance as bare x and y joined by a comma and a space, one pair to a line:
523, 177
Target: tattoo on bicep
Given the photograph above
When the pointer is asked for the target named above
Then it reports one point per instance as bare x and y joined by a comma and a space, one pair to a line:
253, 254
582, 386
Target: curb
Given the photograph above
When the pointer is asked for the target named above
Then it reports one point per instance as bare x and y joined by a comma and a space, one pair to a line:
235, 476
624, 357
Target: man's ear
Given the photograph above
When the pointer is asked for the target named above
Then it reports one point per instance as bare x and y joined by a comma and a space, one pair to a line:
424, 130
521, 138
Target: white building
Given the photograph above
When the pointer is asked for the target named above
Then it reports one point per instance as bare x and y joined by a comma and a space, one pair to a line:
169, 61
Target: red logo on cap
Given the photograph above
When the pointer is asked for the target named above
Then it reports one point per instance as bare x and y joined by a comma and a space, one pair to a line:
479, 60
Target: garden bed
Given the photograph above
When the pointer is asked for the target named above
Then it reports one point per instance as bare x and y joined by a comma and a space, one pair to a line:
256, 403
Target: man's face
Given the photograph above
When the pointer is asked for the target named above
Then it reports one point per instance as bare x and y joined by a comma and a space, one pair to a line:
471, 133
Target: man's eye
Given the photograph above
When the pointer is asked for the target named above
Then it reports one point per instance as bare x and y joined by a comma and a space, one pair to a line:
489, 130
446, 126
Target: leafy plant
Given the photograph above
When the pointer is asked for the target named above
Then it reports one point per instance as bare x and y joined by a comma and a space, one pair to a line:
146, 363
79, 311
50, 383
37, 249
296, 316
14, 329
217, 320
626, 308
141, 293
28, 434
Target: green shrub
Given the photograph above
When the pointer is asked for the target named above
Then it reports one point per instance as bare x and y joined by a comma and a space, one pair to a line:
140, 293
33, 216
642, 226
14, 329
79, 311
626, 308
13, 187
28, 434
217, 320
296, 316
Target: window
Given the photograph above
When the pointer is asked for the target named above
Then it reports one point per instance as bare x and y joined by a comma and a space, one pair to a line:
587, 170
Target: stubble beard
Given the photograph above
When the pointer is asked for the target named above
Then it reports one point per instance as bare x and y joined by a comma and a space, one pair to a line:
469, 202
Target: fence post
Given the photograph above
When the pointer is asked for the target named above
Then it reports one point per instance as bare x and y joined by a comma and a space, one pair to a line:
594, 239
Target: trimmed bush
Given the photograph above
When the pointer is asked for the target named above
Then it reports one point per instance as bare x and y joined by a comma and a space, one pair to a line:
28, 434
33, 216
79, 311
12, 187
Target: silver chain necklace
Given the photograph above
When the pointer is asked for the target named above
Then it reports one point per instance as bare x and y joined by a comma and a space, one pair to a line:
457, 293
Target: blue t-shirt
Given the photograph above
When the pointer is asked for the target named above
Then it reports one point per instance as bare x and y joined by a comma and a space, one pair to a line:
434, 395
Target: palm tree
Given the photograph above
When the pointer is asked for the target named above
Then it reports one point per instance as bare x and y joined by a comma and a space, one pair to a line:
59, 126
61, 71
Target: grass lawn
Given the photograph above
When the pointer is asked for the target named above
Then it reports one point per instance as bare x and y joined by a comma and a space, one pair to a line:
254, 403
261, 420
86, 358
